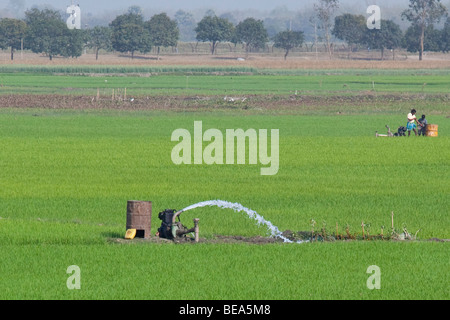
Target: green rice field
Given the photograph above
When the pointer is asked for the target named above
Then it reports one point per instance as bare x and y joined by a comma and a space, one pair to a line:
207, 81
66, 176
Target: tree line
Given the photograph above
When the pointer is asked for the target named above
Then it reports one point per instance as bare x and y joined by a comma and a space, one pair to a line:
45, 31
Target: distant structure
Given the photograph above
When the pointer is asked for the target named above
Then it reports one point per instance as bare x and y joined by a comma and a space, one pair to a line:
74, 20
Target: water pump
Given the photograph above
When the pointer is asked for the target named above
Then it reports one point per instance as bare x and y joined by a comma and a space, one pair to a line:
172, 229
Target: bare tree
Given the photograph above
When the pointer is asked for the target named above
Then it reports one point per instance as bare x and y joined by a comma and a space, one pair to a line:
424, 13
313, 22
325, 10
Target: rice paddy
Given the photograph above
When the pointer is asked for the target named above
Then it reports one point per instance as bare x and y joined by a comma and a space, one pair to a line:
67, 173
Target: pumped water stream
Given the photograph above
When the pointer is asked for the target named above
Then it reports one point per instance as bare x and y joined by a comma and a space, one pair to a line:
274, 231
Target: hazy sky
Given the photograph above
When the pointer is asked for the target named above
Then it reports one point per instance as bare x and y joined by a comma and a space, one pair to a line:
219, 5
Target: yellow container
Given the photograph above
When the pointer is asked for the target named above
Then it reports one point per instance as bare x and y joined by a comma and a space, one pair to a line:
130, 234
432, 130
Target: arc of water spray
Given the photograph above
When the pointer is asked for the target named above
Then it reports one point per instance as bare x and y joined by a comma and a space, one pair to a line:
274, 231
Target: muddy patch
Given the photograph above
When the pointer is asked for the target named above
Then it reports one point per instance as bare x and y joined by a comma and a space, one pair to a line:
299, 103
294, 236
218, 239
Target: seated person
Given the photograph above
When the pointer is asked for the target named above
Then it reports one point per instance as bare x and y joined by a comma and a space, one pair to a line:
422, 126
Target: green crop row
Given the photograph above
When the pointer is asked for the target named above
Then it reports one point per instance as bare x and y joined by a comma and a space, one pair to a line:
189, 70
95, 69
19, 83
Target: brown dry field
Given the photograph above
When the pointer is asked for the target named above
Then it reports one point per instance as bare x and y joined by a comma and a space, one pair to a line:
259, 61
359, 103
288, 104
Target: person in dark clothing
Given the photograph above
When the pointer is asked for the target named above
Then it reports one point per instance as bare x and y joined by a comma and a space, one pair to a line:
422, 126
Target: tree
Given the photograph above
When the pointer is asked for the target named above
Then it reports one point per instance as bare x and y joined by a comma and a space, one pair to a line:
136, 10
423, 13
12, 32
71, 43
48, 33
432, 40
186, 25
324, 11
214, 30
100, 38
389, 36
445, 37
163, 31
288, 40
252, 33
279, 19
210, 13
313, 23
130, 35
230, 17
349, 28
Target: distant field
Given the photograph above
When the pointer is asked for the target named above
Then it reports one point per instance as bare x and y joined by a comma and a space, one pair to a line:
221, 81
223, 89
